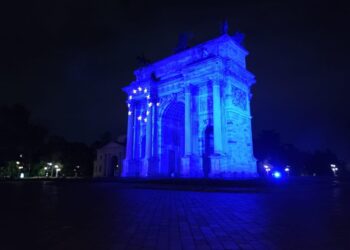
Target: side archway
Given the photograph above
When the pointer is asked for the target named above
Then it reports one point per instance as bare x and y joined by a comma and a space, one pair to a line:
173, 138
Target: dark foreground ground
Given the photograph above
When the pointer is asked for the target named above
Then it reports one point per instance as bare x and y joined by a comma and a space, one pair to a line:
298, 214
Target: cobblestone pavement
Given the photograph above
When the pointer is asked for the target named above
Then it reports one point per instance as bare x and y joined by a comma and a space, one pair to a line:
49, 215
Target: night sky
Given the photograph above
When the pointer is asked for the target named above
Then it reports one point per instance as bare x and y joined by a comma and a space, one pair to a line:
66, 61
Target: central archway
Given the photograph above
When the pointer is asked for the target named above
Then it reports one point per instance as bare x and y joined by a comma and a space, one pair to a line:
173, 138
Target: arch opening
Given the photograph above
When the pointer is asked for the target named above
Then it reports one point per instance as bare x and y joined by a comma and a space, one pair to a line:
173, 138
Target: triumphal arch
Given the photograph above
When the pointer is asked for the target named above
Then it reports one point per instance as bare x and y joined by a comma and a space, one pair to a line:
189, 114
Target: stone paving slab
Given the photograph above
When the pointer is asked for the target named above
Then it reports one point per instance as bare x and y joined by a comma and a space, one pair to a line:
114, 216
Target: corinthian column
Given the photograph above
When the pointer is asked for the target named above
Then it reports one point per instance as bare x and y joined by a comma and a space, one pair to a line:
149, 133
217, 118
188, 123
129, 142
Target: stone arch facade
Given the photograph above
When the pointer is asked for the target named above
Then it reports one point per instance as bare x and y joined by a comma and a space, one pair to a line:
210, 89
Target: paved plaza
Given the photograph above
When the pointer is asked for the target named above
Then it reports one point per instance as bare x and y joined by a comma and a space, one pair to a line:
108, 215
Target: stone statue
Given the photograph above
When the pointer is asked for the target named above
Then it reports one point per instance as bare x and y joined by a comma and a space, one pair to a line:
224, 27
183, 41
238, 37
142, 60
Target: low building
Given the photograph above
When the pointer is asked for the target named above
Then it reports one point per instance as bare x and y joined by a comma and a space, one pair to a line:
109, 160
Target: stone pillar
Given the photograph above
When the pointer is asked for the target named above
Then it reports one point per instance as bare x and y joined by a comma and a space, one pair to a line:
149, 133
129, 141
217, 118
188, 122
134, 134
186, 160
130, 145
154, 117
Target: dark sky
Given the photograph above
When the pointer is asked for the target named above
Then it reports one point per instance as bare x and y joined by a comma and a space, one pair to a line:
67, 61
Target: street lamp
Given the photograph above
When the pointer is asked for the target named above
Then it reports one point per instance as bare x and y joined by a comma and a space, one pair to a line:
334, 169
287, 169
57, 170
267, 169
50, 166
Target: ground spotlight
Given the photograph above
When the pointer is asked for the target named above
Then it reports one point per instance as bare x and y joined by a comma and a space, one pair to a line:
276, 175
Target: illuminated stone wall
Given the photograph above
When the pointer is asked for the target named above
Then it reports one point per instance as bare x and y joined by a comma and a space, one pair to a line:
189, 115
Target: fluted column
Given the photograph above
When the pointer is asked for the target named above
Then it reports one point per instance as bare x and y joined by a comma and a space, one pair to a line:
188, 122
149, 133
217, 118
129, 142
135, 134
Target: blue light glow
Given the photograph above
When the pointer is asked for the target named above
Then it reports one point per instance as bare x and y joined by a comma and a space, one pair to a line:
276, 174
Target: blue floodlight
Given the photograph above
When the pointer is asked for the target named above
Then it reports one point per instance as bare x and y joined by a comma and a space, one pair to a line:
276, 174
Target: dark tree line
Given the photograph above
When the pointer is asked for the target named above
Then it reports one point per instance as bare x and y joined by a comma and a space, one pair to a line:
28, 147
269, 149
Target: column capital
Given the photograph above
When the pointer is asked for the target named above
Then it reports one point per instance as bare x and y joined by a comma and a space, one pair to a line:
188, 87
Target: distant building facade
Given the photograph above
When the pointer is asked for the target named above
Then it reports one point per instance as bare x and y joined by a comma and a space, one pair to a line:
189, 114
109, 160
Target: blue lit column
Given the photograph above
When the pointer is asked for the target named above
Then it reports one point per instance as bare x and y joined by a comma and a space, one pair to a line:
149, 133
154, 118
186, 160
129, 140
188, 125
217, 118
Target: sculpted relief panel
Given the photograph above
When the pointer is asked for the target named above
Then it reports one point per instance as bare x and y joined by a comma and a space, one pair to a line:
239, 98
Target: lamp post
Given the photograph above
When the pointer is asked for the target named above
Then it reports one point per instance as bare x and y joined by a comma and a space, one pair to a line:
50, 165
21, 174
334, 169
287, 169
267, 169
57, 169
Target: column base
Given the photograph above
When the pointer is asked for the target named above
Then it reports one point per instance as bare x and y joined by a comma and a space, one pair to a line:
217, 166
185, 166
153, 167
131, 168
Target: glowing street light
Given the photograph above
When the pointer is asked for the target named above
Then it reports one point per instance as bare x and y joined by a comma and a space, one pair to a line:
287, 169
267, 169
334, 169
